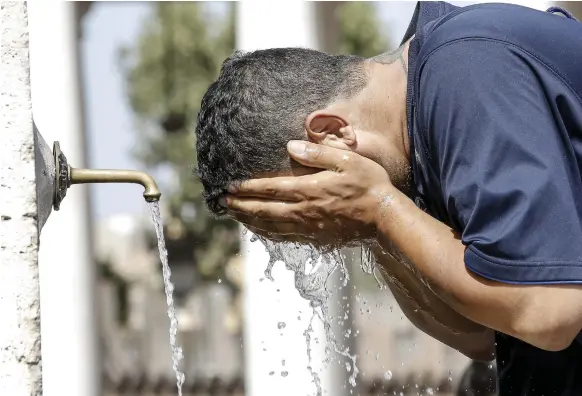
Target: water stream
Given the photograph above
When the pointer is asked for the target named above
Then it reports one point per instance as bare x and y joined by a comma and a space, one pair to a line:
169, 288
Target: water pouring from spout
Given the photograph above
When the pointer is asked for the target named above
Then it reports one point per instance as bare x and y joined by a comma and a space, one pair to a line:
169, 288
65, 176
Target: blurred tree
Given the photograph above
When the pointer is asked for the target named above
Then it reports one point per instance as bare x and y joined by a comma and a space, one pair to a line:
177, 56
360, 30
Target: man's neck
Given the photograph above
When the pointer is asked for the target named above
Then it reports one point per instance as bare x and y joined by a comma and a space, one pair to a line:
392, 69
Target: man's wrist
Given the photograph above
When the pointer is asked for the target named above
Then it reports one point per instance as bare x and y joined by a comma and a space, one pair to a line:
388, 197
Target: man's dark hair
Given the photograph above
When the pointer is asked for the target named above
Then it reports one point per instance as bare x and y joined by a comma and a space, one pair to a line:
259, 103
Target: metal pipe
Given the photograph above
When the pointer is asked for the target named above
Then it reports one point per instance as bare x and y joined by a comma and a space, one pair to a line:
82, 176
65, 176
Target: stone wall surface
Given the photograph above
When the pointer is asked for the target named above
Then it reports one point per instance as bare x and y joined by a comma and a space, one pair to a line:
20, 358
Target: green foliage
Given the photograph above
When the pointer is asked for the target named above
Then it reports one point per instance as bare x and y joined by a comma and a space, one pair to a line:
177, 56
360, 32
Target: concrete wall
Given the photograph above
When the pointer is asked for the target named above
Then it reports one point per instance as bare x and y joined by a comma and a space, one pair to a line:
20, 357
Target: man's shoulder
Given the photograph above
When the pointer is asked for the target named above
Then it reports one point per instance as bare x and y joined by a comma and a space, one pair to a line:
532, 30
517, 37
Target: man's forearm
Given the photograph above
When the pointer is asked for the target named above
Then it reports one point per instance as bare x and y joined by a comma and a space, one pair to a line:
430, 314
534, 314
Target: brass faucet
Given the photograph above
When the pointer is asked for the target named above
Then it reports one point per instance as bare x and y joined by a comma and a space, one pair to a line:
65, 176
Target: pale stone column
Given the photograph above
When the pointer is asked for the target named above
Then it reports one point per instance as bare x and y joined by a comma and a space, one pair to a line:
72, 365
260, 25
276, 359
20, 354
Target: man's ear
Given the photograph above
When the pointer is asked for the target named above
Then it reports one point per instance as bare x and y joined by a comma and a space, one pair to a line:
331, 129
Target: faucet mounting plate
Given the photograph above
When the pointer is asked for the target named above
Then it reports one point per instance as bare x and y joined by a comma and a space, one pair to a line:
62, 175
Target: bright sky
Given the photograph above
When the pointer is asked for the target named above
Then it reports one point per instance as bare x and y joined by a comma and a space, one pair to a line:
107, 27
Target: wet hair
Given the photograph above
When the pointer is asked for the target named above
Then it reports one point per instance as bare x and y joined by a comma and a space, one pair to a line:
258, 103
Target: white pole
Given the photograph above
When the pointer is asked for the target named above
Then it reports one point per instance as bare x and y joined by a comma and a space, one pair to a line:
20, 354
67, 273
336, 377
276, 358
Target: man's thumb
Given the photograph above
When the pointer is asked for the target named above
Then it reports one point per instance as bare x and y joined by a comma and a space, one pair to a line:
314, 155
297, 147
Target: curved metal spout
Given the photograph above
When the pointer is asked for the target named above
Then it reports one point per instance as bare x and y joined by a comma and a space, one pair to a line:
82, 176
65, 176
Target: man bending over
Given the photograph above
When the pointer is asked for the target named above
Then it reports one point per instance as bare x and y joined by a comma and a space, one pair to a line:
458, 157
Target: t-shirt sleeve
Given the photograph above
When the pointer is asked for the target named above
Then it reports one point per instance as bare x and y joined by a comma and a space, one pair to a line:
506, 168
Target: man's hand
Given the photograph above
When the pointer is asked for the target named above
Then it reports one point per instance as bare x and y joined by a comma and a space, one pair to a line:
340, 204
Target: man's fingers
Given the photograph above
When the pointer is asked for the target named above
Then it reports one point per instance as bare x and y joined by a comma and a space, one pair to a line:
288, 189
279, 188
263, 209
283, 237
265, 226
274, 231
319, 156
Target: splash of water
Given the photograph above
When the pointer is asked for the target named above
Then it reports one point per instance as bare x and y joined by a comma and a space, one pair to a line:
369, 265
313, 373
312, 268
169, 288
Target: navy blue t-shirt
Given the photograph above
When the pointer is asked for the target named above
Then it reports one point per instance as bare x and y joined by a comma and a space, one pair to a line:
495, 121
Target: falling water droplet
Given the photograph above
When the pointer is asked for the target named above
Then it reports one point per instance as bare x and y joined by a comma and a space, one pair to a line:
219, 280
284, 373
281, 325
388, 375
